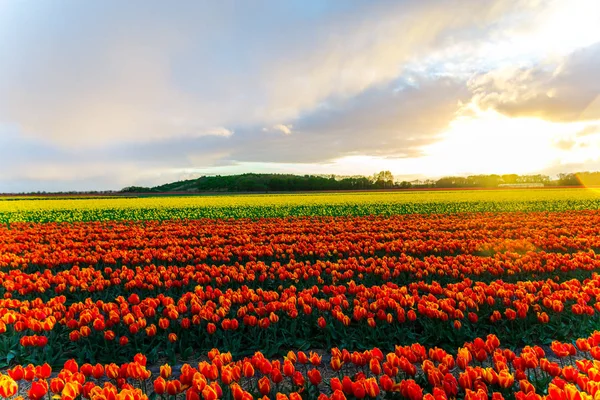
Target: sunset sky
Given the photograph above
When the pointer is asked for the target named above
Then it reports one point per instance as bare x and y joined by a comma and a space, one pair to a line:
101, 94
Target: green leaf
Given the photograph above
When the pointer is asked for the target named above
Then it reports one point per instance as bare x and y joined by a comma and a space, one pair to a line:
187, 353
10, 356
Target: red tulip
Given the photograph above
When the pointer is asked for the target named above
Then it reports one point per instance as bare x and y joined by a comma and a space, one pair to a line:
38, 389
173, 386
160, 385
264, 386
358, 390
314, 376
57, 385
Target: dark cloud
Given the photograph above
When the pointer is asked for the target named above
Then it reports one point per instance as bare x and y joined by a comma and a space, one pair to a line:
381, 121
569, 91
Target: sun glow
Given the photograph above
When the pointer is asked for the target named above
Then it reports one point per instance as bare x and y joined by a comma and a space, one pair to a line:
495, 143
486, 142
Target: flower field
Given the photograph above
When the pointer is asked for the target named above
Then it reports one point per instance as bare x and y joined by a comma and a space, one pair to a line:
52, 209
339, 303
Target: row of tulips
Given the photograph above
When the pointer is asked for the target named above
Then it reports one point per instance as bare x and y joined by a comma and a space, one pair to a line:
79, 283
182, 242
351, 314
480, 369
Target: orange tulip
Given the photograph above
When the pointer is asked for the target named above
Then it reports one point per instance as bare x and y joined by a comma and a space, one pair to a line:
112, 371
321, 323
315, 359
173, 387
209, 393
165, 371
211, 328
71, 391
571, 392
526, 387
338, 395
248, 369
375, 366
505, 379
336, 363
57, 385
288, 368
371, 387
160, 385
237, 391
264, 386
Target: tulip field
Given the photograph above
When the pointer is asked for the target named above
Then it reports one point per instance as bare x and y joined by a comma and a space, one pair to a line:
53, 209
410, 295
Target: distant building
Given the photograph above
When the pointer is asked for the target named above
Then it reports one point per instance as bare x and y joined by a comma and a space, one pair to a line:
521, 185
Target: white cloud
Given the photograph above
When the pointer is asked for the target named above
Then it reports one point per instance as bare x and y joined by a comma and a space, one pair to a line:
281, 128
219, 131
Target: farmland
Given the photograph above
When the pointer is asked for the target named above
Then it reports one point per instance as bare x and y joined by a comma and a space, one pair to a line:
285, 205
468, 294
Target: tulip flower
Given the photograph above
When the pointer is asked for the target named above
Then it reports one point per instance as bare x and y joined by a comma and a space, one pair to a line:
209, 393
57, 385
8, 387
173, 387
264, 386
314, 376
38, 389
160, 385
71, 390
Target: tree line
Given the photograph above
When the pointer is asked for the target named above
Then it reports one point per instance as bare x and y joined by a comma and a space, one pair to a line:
251, 182
273, 183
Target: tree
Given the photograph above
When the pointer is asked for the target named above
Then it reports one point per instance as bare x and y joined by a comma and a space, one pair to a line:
383, 179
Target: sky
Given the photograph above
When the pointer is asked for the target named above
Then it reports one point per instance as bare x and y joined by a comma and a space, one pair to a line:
103, 94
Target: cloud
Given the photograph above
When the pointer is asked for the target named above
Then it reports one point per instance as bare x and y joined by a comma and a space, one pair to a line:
97, 78
565, 91
565, 144
281, 128
589, 130
141, 92
220, 131
382, 121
